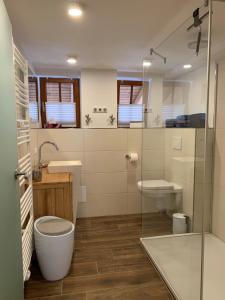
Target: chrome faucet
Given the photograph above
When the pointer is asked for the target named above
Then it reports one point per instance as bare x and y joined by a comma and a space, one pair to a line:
40, 164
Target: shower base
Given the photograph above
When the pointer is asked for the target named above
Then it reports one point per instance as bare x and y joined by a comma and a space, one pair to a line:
178, 259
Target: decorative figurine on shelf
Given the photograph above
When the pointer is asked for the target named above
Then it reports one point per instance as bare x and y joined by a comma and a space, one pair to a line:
111, 119
87, 119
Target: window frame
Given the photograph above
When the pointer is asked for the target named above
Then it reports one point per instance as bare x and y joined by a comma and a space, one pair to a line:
43, 96
132, 84
35, 80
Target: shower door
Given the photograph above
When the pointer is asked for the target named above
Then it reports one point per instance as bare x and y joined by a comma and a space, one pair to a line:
174, 188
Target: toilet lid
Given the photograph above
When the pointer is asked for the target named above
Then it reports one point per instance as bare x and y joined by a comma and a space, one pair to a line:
54, 227
155, 185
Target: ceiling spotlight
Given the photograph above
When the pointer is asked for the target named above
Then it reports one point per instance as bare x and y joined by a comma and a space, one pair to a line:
75, 10
71, 60
147, 63
188, 66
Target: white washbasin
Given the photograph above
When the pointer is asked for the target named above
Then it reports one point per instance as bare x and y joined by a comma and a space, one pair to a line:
74, 167
61, 164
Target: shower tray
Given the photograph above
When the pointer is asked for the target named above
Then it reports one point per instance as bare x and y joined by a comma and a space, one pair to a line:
178, 260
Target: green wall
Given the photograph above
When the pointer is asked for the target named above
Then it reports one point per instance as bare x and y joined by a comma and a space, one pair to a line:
11, 280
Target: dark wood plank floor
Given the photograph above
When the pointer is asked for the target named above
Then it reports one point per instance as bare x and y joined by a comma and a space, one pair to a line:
108, 263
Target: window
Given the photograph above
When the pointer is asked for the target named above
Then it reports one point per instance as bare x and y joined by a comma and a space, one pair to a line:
33, 100
60, 102
130, 102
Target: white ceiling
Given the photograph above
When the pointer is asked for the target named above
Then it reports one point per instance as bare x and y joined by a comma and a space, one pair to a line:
111, 34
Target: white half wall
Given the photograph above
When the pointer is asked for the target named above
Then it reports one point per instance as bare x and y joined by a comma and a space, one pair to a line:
110, 180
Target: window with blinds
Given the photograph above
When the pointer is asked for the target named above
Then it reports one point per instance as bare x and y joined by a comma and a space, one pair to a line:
33, 100
130, 102
60, 102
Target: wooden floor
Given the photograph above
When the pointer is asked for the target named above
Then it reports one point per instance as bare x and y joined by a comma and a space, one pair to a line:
108, 264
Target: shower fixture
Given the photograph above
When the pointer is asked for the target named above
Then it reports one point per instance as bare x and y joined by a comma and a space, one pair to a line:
197, 24
206, 2
152, 51
203, 44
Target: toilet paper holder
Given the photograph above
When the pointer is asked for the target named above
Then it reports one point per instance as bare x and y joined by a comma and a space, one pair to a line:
127, 156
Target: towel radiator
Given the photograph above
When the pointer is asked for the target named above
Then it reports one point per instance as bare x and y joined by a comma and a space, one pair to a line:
24, 171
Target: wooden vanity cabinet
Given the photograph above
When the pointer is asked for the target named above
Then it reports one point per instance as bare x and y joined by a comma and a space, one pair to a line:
52, 196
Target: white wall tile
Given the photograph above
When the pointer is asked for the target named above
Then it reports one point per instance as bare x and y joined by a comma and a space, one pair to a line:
105, 161
179, 164
132, 180
105, 140
134, 140
220, 122
221, 81
34, 146
67, 139
153, 139
153, 160
219, 169
106, 183
153, 175
134, 203
218, 218
218, 224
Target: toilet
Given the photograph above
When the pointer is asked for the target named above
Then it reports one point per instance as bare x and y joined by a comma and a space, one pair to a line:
167, 195
54, 243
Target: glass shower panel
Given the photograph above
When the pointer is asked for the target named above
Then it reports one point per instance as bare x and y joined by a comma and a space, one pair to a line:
214, 249
173, 156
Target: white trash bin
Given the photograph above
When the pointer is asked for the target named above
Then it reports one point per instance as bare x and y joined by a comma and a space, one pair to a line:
54, 244
180, 223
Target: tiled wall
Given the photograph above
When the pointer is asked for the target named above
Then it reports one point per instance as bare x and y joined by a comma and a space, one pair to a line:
179, 164
218, 220
202, 183
111, 181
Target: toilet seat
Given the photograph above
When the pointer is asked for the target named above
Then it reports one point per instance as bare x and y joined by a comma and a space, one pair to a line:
155, 185
159, 186
54, 227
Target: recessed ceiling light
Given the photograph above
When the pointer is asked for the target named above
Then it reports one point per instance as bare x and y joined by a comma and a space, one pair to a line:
71, 60
147, 63
75, 10
188, 66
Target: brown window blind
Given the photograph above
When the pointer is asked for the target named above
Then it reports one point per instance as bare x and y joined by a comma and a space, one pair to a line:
60, 102
33, 99
130, 102
53, 92
125, 94
67, 92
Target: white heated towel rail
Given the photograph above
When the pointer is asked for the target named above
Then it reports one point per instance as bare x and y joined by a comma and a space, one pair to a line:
24, 157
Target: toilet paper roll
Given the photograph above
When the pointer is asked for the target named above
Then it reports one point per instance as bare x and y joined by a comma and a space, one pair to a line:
133, 157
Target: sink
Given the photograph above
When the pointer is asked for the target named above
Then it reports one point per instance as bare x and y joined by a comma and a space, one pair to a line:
65, 163
74, 167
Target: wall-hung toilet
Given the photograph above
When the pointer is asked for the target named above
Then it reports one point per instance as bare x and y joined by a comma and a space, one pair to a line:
54, 243
160, 195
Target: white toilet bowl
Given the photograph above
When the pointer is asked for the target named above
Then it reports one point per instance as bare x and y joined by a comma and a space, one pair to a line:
54, 244
167, 195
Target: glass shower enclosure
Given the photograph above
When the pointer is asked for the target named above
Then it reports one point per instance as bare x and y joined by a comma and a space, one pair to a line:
177, 153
